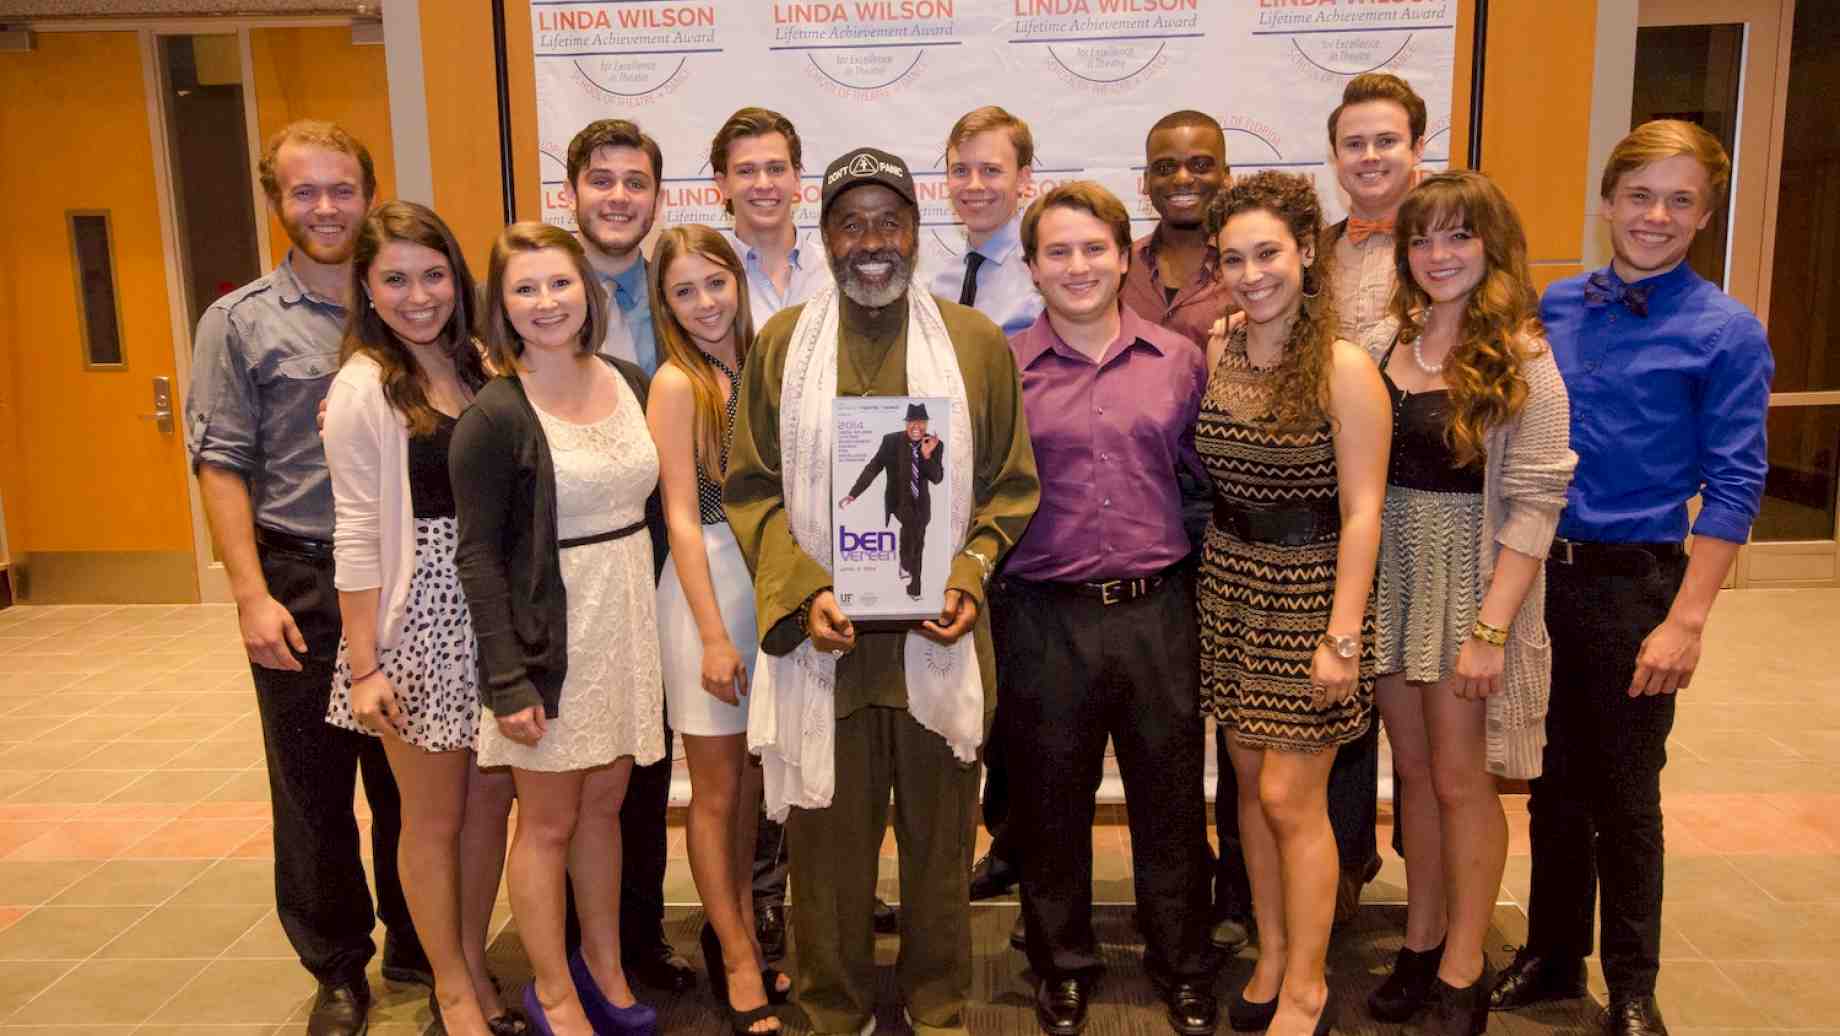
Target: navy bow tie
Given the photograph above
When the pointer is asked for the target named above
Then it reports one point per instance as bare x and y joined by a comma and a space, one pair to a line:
1600, 290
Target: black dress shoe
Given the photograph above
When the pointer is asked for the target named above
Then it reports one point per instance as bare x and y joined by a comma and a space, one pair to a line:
340, 1009
887, 918
1408, 987
1533, 979
1060, 1005
404, 960
658, 966
770, 929
1634, 1016
992, 876
1193, 1011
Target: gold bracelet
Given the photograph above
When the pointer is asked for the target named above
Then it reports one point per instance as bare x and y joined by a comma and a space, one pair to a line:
1488, 634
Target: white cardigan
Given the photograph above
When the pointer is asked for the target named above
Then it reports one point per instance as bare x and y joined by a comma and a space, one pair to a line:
367, 451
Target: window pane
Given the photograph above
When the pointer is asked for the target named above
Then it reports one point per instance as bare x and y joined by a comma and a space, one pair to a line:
1804, 295
89, 243
1692, 73
1798, 493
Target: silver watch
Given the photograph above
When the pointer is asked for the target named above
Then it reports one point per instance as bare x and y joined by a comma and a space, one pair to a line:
1345, 647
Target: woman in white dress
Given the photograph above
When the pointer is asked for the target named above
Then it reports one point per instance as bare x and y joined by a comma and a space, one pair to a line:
554, 477
706, 624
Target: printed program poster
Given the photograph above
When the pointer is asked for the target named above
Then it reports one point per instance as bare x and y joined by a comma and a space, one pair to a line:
892, 551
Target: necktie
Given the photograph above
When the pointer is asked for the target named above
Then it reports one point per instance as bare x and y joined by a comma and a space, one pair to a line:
967, 294
1360, 229
1601, 290
913, 476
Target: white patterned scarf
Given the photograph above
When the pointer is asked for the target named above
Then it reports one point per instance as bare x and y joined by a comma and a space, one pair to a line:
792, 710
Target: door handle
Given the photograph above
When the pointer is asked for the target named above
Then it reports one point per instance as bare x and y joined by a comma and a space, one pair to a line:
162, 416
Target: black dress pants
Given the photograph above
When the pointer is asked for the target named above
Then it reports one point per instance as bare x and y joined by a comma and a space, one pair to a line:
912, 548
321, 894
1081, 671
1595, 810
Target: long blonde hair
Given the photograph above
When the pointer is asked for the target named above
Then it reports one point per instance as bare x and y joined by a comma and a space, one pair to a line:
1483, 370
678, 346
1300, 381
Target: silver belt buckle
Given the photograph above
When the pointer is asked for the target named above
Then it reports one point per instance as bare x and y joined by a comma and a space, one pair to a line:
1567, 557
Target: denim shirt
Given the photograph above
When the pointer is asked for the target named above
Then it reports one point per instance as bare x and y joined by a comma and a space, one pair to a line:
262, 360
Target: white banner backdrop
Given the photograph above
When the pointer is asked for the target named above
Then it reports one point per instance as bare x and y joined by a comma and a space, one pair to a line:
1089, 77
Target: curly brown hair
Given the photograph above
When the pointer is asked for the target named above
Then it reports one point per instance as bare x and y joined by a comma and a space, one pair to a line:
1300, 382
404, 383
1501, 319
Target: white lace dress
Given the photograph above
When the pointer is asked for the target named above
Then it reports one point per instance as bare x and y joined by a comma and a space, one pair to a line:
613, 697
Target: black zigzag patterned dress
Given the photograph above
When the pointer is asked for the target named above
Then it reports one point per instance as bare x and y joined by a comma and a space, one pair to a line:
1263, 606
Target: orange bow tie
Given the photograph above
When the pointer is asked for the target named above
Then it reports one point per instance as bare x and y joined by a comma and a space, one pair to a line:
1360, 229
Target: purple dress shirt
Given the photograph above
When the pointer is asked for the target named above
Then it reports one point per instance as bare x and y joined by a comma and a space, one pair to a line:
1108, 439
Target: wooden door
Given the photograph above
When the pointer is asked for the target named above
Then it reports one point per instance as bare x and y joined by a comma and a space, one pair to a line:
94, 486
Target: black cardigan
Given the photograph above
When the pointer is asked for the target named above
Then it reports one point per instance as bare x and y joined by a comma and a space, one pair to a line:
509, 564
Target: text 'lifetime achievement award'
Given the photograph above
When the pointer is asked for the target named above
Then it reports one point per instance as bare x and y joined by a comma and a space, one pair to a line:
888, 459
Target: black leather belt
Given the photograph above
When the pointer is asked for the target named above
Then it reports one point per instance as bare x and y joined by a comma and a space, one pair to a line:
601, 537
288, 543
1106, 591
1282, 526
1588, 554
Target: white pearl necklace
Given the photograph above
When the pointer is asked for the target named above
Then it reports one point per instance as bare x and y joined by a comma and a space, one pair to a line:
1418, 357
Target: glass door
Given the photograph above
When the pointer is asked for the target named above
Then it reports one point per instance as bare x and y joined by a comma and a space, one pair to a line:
1757, 76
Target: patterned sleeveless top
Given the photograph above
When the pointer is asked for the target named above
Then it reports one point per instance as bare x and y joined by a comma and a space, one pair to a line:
709, 492
1252, 463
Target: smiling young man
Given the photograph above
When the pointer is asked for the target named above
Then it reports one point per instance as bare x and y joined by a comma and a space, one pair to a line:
614, 171
1095, 620
756, 160
1669, 380
1376, 140
1174, 280
906, 710
265, 355
988, 153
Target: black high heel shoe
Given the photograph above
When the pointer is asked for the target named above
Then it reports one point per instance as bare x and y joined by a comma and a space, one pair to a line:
718, 971
741, 1023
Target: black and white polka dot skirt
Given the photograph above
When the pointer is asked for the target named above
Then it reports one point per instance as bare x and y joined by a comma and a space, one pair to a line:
434, 665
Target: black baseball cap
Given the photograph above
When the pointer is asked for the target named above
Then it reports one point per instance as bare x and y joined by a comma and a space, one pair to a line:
861, 166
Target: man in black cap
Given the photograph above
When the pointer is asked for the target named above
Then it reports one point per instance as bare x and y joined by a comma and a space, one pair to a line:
840, 717
914, 465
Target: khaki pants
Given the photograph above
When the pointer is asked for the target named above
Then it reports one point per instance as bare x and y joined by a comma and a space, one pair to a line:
834, 855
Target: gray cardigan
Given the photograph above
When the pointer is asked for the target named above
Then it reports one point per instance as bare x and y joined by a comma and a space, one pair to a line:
1528, 469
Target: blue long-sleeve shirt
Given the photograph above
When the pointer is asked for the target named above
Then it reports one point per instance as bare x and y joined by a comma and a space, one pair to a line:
1664, 406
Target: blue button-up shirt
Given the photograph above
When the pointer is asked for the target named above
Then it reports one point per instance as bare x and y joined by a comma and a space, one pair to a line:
1663, 407
1005, 290
262, 359
810, 270
630, 292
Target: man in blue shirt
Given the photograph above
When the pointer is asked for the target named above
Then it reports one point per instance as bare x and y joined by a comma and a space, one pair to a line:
1669, 380
614, 171
987, 168
756, 160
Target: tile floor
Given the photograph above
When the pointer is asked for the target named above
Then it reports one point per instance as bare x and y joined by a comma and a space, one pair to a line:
136, 893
